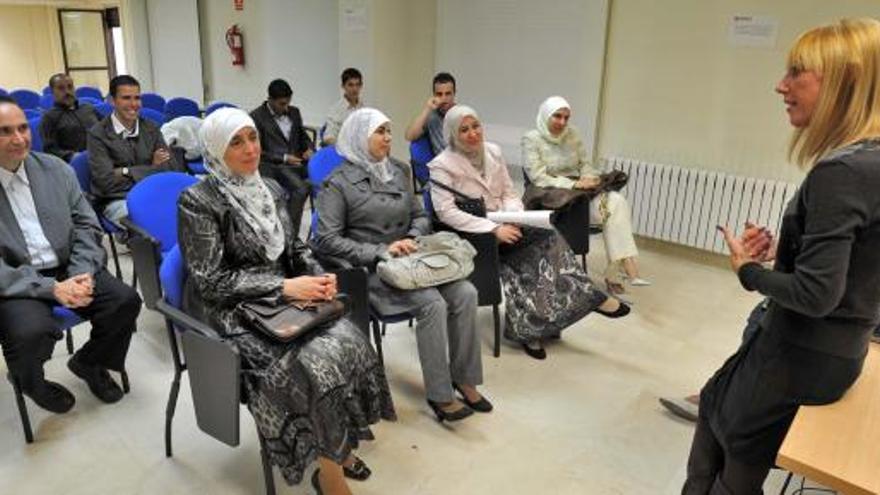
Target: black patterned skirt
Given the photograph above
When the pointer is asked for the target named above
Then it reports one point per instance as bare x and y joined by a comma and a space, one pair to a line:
545, 288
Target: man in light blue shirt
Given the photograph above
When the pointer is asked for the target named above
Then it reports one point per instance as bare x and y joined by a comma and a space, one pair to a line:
51, 254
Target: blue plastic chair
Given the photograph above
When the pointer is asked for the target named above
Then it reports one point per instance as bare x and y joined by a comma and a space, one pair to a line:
47, 101
420, 153
216, 106
88, 91
47, 90
319, 167
30, 113
153, 116
152, 206
91, 101
197, 166
154, 101
104, 109
26, 98
36, 137
83, 171
179, 107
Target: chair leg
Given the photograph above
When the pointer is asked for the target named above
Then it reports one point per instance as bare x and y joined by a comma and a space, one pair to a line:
22, 410
267, 466
377, 341
125, 385
384, 327
115, 256
170, 408
69, 339
584, 261
497, 317
410, 322
785, 485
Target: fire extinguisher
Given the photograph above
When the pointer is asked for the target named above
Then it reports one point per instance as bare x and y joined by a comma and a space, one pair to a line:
235, 43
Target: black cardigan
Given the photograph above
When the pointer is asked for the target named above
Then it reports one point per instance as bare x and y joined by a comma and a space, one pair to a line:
824, 288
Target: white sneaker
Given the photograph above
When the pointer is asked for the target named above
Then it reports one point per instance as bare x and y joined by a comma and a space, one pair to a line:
639, 282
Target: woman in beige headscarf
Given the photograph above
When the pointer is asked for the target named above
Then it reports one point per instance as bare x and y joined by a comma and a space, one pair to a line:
554, 156
545, 289
315, 397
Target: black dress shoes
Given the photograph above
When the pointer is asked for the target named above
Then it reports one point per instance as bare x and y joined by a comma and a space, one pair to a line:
443, 415
620, 312
535, 352
481, 405
98, 379
52, 397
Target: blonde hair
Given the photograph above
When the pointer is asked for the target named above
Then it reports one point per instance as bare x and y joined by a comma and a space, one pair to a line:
846, 55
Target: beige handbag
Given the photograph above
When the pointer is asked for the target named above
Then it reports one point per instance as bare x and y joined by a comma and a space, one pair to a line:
441, 258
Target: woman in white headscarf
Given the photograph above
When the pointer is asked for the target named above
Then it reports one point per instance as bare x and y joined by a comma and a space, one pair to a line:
554, 155
545, 289
367, 210
312, 398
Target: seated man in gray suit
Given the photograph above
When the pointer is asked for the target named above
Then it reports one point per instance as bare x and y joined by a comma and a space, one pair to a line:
50, 254
286, 148
124, 148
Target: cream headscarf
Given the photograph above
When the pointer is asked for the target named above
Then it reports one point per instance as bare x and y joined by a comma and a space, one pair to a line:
546, 111
248, 194
451, 123
354, 137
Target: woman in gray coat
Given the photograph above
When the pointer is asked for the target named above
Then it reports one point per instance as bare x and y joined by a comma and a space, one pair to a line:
367, 208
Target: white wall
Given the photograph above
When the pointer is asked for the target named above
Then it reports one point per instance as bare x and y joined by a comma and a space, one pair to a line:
136, 38
509, 55
677, 93
175, 51
296, 40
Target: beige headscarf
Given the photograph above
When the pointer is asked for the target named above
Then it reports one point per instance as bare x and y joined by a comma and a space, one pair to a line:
547, 109
451, 123
248, 194
354, 137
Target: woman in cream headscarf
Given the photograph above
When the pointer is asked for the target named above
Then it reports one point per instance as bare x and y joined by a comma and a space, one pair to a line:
545, 289
554, 156
367, 210
312, 398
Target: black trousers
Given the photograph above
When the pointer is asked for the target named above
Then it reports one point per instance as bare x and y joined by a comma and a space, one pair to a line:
294, 180
712, 471
28, 332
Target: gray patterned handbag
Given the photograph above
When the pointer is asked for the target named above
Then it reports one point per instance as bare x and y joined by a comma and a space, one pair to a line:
441, 258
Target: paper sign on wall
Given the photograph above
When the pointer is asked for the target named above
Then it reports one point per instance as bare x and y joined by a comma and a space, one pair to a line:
354, 15
754, 31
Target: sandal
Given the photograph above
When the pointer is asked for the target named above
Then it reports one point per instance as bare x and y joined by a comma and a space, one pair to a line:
614, 287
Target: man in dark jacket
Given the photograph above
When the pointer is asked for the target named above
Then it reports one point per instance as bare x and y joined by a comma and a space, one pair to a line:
65, 126
286, 148
51, 254
124, 148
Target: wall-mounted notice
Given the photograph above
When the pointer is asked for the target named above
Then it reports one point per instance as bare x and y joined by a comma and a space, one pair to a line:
354, 15
754, 31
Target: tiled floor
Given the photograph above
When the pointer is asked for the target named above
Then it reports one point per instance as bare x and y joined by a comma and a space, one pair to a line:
585, 421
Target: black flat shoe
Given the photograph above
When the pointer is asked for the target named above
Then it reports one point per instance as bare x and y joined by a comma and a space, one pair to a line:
316, 484
481, 405
98, 379
51, 396
537, 353
620, 312
358, 470
456, 415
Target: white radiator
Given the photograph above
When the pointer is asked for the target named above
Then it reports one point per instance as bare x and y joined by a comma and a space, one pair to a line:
683, 205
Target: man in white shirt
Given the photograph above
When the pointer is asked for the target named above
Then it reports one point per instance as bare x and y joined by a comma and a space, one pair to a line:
352, 84
51, 254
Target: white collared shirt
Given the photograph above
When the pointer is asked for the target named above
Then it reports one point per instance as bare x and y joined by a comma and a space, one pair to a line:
283, 121
337, 115
123, 131
18, 193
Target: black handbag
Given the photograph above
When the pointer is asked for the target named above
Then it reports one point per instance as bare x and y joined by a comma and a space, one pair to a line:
465, 203
614, 180
286, 321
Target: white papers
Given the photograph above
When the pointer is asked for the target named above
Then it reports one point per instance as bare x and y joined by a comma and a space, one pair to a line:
534, 218
754, 31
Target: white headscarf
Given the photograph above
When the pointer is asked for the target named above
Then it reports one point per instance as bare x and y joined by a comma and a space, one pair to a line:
547, 109
354, 137
248, 194
451, 123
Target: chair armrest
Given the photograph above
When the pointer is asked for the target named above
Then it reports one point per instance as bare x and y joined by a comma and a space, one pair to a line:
186, 322
146, 258
486, 276
573, 224
353, 282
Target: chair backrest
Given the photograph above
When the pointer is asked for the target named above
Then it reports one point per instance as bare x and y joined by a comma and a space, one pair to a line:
26, 98
88, 91
36, 137
91, 101
154, 101
173, 275
179, 107
4, 92
47, 90
154, 116
104, 109
47, 101
320, 165
80, 164
30, 113
152, 205
216, 106
420, 153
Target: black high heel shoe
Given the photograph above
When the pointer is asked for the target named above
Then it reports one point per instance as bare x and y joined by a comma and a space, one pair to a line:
456, 415
316, 484
481, 405
535, 352
358, 470
620, 312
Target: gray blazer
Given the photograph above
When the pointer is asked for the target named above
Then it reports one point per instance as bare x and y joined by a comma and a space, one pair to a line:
68, 222
359, 216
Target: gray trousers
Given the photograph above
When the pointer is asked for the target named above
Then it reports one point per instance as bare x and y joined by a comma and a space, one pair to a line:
448, 341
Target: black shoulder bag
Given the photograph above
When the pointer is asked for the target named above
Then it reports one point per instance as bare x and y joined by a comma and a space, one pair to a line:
465, 203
